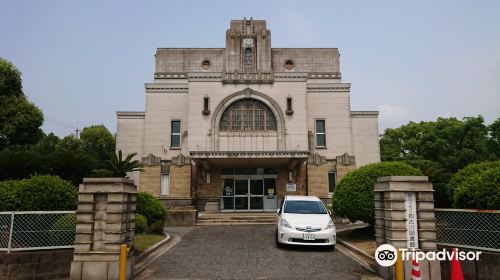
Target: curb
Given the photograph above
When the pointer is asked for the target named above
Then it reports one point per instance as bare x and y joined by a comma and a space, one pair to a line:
147, 257
153, 248
352, 228
355, 249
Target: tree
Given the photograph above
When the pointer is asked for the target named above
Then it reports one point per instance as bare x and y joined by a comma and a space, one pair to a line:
47, 144
20, 120
10, 80
20, 164
438, 176
120, 166
98, 141
494, 141
448, 141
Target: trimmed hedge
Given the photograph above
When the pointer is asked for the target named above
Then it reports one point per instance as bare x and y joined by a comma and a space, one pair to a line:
141, 223
476, 186
157, 227
150, 207
38, 193
353, 197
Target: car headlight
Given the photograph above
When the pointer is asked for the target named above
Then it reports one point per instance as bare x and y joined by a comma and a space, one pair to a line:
284, 223
330, 225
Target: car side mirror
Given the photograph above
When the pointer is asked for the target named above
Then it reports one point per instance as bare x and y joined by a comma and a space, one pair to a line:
278, 211
329, 212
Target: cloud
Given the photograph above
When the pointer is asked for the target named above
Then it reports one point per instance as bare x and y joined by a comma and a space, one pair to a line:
393, 113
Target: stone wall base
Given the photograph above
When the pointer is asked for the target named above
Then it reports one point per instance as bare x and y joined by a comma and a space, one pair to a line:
47, 264
100, 270
181, 217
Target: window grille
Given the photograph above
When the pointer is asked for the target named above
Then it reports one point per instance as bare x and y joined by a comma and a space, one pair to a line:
320, 133
248, 59
175, 134
248, 115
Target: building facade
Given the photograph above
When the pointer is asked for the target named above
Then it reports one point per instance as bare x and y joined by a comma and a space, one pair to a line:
239, 127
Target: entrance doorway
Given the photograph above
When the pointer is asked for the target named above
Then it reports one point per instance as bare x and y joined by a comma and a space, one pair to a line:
249, 193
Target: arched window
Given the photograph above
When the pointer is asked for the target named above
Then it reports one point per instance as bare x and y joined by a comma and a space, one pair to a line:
248, 59
248, 115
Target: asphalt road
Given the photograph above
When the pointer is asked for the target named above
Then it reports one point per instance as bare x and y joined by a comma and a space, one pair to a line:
247, 252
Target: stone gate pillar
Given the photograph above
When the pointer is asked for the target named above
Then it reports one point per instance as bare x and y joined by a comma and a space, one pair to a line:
105, 219
404, 218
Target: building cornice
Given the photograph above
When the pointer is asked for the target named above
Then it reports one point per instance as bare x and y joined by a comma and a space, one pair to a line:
248, 154
364, 114
166, 88
130, 115
328, 87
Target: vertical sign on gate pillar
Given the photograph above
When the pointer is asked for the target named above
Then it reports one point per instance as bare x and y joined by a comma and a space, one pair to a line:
411, 220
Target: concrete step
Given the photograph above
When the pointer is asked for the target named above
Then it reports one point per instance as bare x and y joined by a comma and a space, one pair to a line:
236, 219
233, 223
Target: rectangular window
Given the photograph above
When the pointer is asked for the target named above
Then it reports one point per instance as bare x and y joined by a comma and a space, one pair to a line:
332, 181
165, 184
320, 133
175, 134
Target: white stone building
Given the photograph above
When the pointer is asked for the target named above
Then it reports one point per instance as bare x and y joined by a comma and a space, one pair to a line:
242, 126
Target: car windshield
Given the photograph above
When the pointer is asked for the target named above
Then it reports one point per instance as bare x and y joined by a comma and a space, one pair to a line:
304, 207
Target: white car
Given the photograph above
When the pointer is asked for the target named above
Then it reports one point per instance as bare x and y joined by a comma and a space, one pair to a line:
304, 220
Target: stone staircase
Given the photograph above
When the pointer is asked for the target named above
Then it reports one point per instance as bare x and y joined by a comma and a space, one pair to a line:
231, 219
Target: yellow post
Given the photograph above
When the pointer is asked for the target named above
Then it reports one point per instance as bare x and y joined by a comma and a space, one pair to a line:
399, 267
124, 249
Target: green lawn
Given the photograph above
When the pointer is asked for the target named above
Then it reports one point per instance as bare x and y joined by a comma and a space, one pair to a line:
144, 240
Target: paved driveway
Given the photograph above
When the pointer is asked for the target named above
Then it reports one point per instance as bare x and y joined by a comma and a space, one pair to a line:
247, 252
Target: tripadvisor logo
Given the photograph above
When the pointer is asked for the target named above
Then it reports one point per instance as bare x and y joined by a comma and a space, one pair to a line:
386, 255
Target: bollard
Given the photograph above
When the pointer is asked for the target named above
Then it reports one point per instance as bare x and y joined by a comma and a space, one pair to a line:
399, 267
124, 249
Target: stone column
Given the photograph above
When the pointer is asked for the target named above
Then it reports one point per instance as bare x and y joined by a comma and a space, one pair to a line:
391, 225
105, 220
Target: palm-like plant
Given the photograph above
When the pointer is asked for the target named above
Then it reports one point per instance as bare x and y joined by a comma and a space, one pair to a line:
120, 166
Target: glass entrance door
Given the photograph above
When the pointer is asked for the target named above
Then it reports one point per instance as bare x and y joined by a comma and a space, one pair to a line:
241, 194
248, 194
256, 194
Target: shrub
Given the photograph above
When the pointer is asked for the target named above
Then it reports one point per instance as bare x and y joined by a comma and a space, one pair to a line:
63, 230
353, 197
39, 193
150, 207
157, 227
141, 223
476, 186
7, 197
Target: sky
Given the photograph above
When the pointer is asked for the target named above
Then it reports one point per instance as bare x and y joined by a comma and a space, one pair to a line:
81, 61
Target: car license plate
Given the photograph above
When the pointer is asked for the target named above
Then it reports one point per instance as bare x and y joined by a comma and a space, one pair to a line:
309, 236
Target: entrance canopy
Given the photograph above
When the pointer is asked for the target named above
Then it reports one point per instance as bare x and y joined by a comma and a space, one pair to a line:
291, 159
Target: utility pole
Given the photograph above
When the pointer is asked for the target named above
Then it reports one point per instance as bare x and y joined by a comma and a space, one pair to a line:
77, 131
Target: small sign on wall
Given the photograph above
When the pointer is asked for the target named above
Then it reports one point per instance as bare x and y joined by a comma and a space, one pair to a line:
291, 187
411, 220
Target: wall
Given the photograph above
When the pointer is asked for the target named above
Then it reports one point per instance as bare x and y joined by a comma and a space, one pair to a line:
180, 181
200, 129
130, 137
47, 264
366, 137
334, 107
150, 180
161, 109
307, 60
